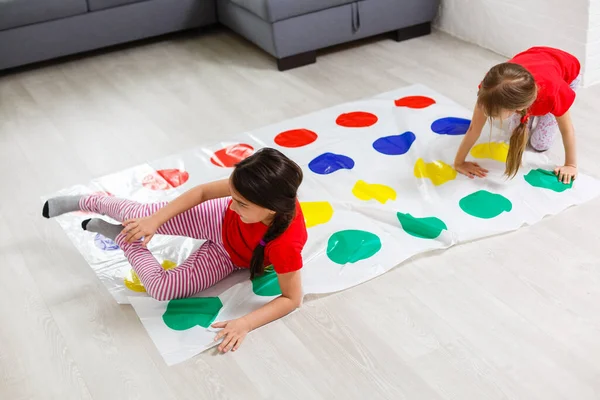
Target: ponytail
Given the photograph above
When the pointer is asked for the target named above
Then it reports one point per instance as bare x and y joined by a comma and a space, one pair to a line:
280, 223
517, 146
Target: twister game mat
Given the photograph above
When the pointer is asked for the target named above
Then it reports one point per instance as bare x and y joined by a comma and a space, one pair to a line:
379, 188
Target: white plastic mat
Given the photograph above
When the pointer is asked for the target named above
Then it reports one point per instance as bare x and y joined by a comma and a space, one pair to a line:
378, 189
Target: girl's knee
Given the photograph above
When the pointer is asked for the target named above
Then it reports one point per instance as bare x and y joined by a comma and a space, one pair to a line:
539, 146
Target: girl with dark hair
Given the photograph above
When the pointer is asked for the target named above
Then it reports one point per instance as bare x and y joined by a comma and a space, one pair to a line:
251, 220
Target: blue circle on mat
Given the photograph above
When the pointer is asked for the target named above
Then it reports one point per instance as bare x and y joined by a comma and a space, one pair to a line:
104, 243
328, 163
395, 145
451, 126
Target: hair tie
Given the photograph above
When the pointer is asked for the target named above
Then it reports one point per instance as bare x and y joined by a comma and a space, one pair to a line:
525, 118
262, 243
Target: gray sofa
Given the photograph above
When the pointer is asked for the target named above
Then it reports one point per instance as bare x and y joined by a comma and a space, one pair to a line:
38, 30
290, 30
293, 30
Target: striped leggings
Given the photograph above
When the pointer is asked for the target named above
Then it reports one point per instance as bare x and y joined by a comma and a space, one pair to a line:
544, 129
202, 269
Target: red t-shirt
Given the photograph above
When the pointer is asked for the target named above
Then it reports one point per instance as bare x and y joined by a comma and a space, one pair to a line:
284, 253
553, 71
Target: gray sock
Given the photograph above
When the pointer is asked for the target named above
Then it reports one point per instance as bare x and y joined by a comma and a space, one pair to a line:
102, 227
60, 205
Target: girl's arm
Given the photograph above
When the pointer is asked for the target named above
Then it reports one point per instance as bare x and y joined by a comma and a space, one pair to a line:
137, 228
191, 198
567, 131
470, 169
235, 331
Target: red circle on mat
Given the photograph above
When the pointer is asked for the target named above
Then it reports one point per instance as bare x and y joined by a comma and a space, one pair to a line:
165, 179
295, 138
356, 119
231, 155
415, 102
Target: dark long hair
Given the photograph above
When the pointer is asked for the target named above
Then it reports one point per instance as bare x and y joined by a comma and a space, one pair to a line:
268, 179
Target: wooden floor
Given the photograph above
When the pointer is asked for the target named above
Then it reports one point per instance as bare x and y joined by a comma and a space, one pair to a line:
511, 317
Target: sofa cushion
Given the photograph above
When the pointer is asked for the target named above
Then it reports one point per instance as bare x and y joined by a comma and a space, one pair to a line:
277, 10
15, 13
96, 5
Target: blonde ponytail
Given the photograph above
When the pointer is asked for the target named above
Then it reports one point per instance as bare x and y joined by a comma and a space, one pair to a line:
517, 146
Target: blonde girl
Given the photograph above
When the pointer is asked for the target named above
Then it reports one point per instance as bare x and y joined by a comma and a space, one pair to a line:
535, 91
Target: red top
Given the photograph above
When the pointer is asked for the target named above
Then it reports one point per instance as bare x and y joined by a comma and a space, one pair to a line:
553, 71
284, 253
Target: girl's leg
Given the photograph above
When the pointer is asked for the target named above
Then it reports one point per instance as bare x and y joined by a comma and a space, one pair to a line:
205, 267
204, 221
117, 208
575, 84
546, 129
543, 134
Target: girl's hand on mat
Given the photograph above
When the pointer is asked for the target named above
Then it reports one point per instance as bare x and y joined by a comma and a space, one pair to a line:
566, 174
233, 333
471, 169
136, 228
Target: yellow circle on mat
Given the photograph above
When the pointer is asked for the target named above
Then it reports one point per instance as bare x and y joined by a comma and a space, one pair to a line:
438, 171
373, 191
316, 212
495, 151
132, 280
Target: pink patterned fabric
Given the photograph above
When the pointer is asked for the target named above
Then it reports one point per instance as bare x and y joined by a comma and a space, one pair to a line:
543, 130
205, 267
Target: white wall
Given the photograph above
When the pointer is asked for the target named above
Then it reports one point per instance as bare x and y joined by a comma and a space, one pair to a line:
510, 26
592, 63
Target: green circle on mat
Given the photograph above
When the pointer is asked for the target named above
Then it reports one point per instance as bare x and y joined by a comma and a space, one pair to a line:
424, 228
351, 246
183, 314
266, 284
547, 180
483, 204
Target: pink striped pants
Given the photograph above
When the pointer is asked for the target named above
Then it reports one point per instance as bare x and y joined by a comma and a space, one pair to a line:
202, 269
